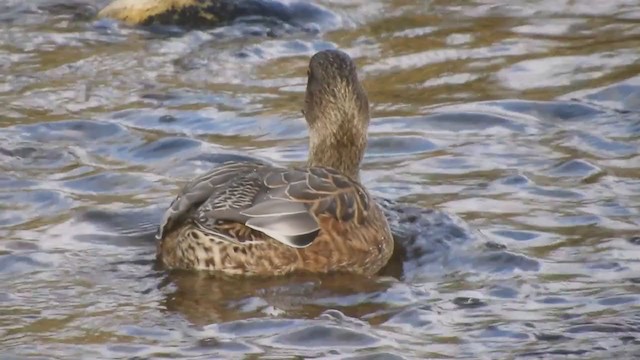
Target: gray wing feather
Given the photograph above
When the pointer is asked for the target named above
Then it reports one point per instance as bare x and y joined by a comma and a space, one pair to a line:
275, 207
296, 230
199, 190
286, 221
236, 192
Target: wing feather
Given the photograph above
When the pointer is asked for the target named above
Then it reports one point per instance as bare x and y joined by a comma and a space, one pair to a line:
283, 204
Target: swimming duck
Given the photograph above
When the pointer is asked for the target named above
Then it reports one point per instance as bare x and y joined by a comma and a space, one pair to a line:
255, 218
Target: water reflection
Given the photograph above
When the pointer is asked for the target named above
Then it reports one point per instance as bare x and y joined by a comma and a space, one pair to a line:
521, 118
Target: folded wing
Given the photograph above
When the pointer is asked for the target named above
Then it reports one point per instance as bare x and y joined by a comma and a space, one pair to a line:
283, 204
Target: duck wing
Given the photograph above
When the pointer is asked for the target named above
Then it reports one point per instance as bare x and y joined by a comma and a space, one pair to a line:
200, 189
284, 204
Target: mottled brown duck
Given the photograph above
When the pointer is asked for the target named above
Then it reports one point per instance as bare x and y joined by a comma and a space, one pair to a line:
254, 218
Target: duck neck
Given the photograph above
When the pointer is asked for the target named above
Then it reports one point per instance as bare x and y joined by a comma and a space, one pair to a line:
341, 148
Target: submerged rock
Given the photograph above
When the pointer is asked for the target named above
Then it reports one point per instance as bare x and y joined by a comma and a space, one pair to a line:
210, 13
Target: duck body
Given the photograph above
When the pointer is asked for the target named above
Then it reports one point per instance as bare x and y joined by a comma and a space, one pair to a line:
253, 218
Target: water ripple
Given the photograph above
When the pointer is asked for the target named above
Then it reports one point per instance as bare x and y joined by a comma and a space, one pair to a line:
504, 143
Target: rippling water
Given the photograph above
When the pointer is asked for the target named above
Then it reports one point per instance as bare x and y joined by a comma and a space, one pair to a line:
520, 117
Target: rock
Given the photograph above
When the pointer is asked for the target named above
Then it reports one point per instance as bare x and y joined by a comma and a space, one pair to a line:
208, 13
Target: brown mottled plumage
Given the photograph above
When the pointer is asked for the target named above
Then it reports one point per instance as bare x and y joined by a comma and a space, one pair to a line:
254, 218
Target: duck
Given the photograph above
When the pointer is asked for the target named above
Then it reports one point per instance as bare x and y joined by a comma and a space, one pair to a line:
202, 13
254, 218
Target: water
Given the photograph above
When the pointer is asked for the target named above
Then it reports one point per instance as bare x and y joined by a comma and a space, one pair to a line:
520, 117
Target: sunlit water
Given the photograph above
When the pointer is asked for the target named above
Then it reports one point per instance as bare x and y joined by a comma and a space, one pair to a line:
520, 117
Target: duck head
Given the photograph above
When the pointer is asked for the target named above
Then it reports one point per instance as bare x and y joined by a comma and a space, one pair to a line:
336, 108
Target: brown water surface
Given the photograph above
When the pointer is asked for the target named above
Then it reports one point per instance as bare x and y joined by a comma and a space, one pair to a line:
520, 117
